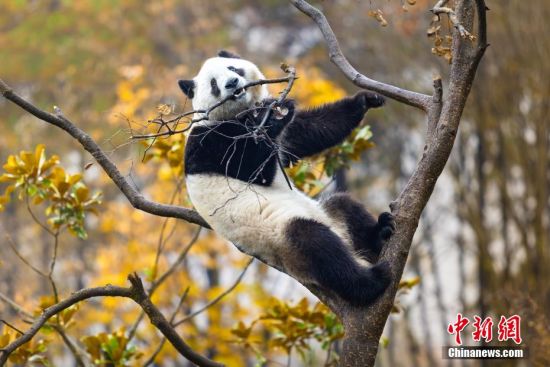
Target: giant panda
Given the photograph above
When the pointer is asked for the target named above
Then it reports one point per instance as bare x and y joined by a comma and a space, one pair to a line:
235, 181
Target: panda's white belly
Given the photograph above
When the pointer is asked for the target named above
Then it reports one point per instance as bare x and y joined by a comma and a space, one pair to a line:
253, 217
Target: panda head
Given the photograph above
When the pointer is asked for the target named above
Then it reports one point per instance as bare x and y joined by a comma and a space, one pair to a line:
220, 77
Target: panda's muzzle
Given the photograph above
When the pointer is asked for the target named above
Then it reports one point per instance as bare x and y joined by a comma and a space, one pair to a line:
232, 84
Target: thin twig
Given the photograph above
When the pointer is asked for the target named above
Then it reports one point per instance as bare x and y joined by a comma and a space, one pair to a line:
162, 278
52, 266
161, 240
11, 326
48, 276
42, 225
77, 354
23, 259
54, 254
291, 77
14, 305
481, 27
176, 263
217, 299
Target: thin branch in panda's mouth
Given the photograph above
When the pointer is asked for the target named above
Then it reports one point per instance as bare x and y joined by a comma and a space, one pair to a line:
171, 126
238, 93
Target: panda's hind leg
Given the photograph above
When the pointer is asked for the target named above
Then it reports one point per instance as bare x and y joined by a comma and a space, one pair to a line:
367, 234
316, 254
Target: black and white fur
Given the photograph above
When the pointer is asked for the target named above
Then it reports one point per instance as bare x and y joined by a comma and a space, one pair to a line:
235, 181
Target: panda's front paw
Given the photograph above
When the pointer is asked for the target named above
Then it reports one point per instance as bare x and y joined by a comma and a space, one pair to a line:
386, 226
369, 100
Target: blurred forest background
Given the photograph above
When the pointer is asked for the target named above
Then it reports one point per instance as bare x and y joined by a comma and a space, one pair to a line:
483, 243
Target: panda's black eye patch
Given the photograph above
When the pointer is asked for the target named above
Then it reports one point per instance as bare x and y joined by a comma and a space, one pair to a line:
236, 70
215, 90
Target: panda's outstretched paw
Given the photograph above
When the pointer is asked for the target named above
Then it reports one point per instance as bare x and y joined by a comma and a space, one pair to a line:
386, 226
369, 100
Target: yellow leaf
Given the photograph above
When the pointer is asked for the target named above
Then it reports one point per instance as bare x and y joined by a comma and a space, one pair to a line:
241, 330
4, 340
54, 159
62, 187
68, 313
28, 160
75, 178
46, 301
378, 15
164, 109
82, 193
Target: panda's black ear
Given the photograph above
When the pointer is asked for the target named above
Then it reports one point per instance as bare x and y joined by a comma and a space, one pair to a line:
228, 54
188, 87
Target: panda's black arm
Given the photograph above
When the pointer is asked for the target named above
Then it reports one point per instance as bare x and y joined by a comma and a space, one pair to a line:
315, 130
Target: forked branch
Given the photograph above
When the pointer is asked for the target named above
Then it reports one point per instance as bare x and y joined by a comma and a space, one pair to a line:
135, 292
415, 99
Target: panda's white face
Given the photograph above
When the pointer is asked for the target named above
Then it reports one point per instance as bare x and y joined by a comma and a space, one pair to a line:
220, 77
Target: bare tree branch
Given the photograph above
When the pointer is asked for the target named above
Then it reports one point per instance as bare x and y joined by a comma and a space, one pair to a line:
136, 198
418, 100
440, 8
137, 293
481, 26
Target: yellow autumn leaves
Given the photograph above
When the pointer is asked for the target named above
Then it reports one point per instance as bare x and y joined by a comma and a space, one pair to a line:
293, 328
36, 178
111, 349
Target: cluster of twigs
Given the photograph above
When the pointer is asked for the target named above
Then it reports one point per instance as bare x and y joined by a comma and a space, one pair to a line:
254, 130
171, 126
441, 8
